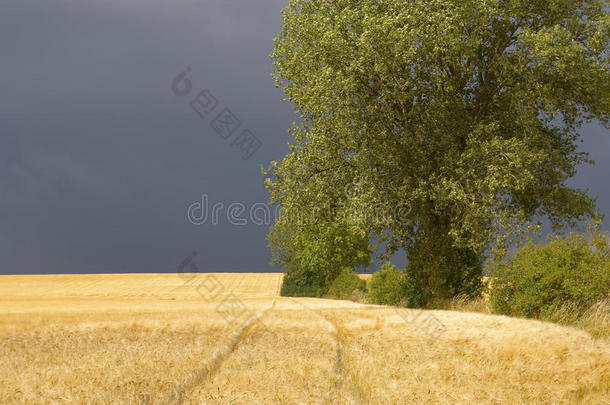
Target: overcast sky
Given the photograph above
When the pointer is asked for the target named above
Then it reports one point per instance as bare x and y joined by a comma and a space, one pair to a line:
100, 157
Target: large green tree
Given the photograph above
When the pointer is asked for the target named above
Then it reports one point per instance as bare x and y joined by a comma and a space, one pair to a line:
457, 120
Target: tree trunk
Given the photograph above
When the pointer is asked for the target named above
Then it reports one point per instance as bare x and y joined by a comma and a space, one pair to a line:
442, 270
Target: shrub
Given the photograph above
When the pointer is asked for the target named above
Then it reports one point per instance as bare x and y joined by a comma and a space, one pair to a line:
302, 284
542, 280
346, 285
385, 286
390, 286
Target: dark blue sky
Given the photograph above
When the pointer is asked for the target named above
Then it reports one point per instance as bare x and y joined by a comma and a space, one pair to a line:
99, 159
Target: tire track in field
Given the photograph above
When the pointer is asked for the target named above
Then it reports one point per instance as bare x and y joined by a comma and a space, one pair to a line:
279, 286
205, 373
351, 384
238, 283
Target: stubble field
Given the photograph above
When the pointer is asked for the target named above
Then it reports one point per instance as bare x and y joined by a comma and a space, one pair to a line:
230, 339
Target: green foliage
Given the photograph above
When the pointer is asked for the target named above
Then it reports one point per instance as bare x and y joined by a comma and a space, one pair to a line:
346, 285
386, 286
414, 295
302, 284
313, 255
542, 280
439, 270
454, 123
391, 286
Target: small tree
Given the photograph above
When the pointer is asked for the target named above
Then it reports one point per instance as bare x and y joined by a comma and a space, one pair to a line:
313, 255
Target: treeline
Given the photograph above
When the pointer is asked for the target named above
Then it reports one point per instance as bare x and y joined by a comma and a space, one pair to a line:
565, 279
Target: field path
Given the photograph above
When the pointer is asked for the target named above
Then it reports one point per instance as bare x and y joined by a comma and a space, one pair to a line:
201, 376
345, 377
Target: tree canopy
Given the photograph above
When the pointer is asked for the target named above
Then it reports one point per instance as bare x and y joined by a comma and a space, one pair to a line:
457, 119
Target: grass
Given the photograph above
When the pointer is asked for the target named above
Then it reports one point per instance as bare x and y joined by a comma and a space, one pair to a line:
595, 320
147, 338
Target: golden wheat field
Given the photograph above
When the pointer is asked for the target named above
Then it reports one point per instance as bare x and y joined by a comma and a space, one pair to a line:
229, 339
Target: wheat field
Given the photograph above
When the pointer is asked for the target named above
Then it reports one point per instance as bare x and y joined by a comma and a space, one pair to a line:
230, 339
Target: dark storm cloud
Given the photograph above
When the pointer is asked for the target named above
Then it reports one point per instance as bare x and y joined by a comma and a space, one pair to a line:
99, 160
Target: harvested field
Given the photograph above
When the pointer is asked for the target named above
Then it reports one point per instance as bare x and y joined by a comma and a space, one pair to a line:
229, 338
